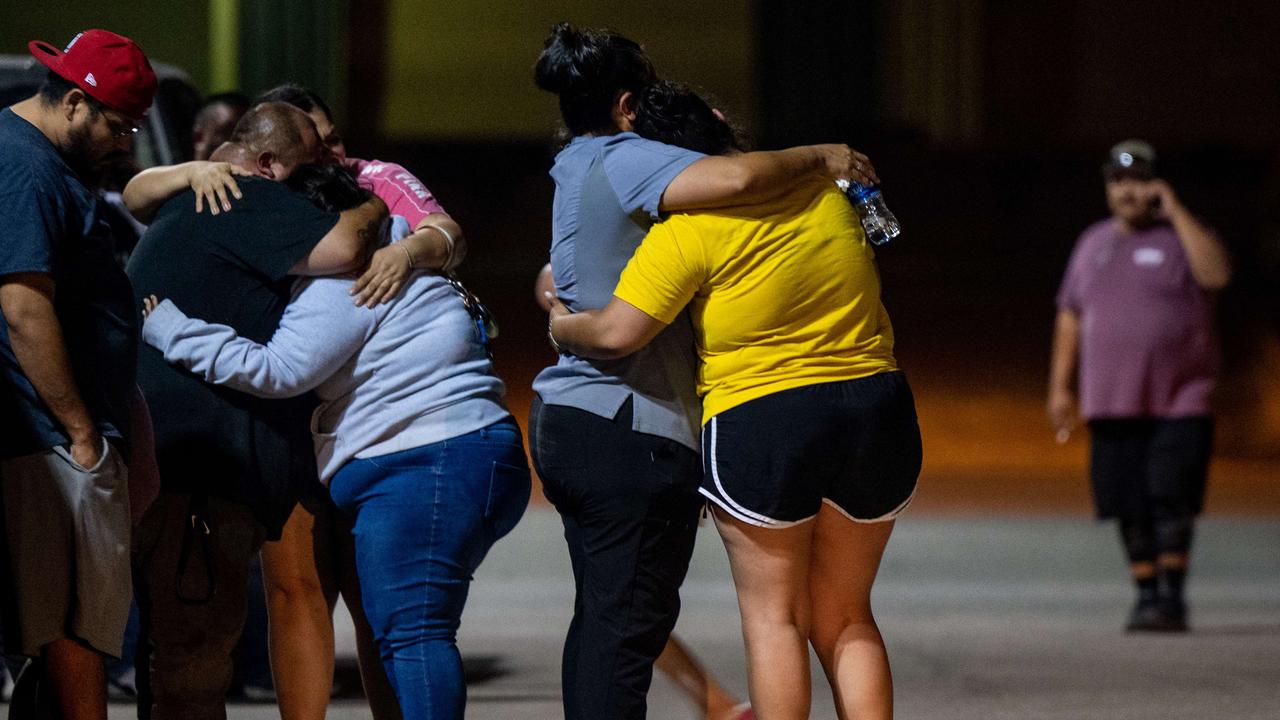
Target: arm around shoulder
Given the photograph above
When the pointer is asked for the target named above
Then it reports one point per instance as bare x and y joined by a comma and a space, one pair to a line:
213, 182
149, 189
753, 177
349, 244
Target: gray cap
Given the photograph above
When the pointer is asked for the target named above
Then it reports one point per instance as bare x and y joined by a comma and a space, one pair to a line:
1132, 157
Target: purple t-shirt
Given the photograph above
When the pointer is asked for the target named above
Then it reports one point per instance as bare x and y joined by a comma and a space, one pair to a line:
1147, 344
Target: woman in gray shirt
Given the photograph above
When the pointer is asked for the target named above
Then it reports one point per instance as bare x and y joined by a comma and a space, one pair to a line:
616, 442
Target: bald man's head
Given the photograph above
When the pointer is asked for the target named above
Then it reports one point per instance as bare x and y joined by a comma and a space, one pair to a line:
272, 140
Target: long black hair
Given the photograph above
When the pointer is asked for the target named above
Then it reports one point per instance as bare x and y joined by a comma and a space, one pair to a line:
328, 186
588, 69
675, 114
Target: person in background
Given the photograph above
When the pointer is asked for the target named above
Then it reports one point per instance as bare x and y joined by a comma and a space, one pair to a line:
214, 122
232, 467
68, 349
1135, 334
804, 514
616, 443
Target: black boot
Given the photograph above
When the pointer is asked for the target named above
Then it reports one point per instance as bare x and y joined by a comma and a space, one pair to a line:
1169, 584
1160, 607
1146, 615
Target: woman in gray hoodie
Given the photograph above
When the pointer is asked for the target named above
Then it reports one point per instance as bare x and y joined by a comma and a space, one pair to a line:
412, 437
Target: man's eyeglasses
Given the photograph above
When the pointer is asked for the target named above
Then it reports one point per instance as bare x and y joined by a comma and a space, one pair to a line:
121, 128
486, 325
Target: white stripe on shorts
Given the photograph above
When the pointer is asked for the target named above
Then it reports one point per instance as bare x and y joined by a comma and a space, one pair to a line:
728, 504
891, 515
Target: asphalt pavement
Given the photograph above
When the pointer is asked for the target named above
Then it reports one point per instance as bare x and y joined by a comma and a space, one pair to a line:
986, 618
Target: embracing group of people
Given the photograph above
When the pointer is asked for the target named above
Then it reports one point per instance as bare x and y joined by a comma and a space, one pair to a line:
722, 339
317, 377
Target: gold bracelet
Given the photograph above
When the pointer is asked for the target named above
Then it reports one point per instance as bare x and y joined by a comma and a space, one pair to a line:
407, 254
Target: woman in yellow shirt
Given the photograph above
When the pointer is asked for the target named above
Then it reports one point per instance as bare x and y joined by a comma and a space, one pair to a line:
810, 443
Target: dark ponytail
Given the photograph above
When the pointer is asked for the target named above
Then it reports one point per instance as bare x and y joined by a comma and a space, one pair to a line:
588, 69
673, 113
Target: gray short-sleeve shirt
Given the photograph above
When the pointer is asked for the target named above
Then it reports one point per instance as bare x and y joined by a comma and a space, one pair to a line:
608, 189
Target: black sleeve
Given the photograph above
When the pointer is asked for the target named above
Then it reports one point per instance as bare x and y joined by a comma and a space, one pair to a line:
272, 228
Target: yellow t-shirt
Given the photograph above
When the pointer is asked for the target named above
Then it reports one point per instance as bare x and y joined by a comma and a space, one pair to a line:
782, 294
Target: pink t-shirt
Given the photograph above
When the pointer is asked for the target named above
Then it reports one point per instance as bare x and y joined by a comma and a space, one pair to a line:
403, 193
1147, 343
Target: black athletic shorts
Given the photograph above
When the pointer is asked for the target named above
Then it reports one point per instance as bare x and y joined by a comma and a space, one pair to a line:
854, 444
1136, 464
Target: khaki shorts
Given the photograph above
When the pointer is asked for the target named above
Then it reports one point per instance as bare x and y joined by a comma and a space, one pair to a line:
68, 537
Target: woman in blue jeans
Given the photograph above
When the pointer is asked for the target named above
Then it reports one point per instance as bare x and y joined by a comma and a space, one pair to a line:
412, 437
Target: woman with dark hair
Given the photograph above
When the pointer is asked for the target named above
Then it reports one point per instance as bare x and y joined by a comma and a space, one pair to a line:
616, 444
784, 299
313, 563
412, 437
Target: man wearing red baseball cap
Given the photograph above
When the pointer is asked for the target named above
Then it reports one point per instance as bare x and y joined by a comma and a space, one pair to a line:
68, 350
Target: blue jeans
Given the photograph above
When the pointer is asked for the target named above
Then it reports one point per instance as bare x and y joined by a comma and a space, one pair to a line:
424, 519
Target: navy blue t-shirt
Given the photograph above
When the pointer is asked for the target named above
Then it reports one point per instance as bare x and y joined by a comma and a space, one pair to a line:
53, 224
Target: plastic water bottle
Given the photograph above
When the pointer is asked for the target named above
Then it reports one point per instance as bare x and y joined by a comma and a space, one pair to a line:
877, 220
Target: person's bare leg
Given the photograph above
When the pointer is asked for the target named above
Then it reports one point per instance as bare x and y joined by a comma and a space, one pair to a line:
75, 680
771, 575
846, 557
373, 676
699, 686
298, 574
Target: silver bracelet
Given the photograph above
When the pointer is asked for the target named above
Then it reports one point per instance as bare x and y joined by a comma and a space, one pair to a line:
551, 338
449, 243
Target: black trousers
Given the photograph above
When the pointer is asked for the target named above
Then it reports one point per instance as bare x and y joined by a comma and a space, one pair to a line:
191, 604
1149, 468
630, 504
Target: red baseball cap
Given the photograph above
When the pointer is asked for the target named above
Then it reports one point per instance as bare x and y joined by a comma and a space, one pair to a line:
110, 68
